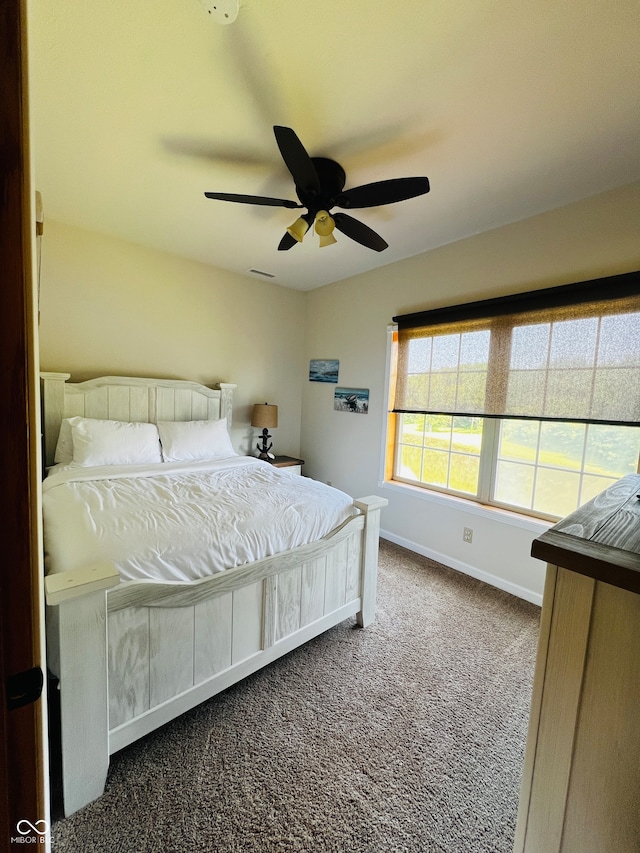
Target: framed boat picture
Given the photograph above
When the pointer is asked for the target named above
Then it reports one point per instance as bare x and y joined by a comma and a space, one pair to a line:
354, 400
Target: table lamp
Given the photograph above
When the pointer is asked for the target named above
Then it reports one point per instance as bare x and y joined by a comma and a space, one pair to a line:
265, 416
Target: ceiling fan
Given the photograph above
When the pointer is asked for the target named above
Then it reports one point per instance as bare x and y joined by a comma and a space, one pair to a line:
319, 184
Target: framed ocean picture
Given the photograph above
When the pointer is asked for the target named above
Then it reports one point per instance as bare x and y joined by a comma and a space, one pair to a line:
323, 370
355, 400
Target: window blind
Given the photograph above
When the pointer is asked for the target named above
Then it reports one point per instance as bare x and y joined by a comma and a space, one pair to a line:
568, 353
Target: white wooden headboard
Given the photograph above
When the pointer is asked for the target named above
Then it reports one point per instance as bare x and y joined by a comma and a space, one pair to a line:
127, 398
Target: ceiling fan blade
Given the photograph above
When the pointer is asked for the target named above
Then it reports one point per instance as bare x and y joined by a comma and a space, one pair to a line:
359, 232
383, 192
297, 160
287, 242
254, 199
209, 150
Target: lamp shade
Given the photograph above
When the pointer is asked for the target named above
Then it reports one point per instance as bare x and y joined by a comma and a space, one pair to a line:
265, 415
324, 223
324, 228
298, 229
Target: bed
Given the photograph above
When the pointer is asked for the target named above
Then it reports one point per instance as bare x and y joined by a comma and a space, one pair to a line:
133, 648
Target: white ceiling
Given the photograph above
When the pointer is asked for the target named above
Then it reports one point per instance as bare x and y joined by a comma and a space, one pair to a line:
510, 107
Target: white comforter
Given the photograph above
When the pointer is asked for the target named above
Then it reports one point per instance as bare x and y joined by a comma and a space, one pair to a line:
178, 522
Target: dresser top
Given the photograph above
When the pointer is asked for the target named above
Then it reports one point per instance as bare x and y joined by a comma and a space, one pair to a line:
600, 539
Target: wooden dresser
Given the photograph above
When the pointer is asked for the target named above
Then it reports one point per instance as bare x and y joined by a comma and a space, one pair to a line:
581, 783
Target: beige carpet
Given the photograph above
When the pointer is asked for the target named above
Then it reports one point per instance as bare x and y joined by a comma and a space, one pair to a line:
405, 736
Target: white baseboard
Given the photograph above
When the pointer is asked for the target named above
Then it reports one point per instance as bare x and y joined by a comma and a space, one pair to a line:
465, 568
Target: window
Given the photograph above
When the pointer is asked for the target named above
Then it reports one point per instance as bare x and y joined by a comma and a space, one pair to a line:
530, 402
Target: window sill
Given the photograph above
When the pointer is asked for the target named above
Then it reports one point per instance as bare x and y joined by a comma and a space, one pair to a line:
496, 514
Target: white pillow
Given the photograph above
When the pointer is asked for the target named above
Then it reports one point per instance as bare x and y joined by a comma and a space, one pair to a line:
64, 447
194, 441
104, 442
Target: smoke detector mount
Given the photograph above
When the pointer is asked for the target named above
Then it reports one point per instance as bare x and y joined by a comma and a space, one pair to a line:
222, 11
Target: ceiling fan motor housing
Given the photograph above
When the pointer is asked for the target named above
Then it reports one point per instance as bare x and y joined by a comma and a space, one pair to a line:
331, 177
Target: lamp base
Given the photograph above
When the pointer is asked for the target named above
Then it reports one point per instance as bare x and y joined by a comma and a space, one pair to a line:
264, 448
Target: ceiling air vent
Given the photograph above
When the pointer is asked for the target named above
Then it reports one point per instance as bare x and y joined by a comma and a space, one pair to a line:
262, 273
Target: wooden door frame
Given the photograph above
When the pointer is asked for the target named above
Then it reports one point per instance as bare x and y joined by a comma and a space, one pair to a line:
23, 751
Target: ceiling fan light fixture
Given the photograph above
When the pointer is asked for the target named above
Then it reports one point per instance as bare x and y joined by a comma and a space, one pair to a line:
298, 229
324, 228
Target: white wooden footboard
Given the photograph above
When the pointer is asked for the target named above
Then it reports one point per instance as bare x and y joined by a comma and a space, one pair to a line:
132, 657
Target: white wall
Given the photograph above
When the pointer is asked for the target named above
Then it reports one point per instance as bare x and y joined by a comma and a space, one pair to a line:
348, 321
107, 306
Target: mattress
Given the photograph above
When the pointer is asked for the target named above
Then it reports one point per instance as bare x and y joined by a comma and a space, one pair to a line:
180, 522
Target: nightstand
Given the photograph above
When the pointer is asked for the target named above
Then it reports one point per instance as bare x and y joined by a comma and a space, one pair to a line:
291, 463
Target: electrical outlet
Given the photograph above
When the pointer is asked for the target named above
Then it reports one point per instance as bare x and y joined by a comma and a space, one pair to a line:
467, 534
